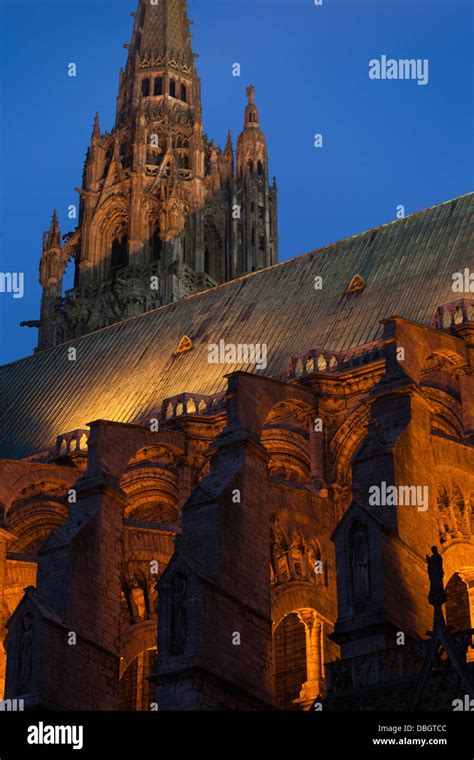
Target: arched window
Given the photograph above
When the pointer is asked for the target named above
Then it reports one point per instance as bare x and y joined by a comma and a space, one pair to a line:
183, 93
183, 161
260, 168
145, 87
158, 86
458, 611
136, 692
172, 88
250, 166
119, 257
207, 261
289, 648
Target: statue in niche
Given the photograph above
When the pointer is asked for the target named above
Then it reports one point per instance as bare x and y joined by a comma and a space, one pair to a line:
127, 588
359, 560
443, 512
298, 555
279, 553
437, 595
315, 571
178, 614
459, 510
25, 653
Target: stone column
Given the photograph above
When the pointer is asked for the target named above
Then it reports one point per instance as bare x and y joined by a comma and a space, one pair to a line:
5, 537
314, 684
140, 679
316, 449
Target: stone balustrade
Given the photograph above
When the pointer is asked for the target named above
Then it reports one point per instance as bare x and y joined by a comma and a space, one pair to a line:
449, 315
68, 443
191, 403
352, 675
322, 360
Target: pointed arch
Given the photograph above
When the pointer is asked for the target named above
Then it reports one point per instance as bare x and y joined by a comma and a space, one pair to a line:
110, 224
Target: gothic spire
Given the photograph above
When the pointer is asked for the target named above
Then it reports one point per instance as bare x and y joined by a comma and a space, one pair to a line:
160, 61
54, 234
96, 129
162, 30
251, 145
251, 111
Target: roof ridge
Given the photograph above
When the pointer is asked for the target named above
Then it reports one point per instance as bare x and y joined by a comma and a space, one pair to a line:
286, 262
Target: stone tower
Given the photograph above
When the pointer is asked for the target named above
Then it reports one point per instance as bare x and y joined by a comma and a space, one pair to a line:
164, 212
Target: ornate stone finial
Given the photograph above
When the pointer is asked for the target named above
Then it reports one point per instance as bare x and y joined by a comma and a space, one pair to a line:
437, 595
96, 130
54, 236
251, 93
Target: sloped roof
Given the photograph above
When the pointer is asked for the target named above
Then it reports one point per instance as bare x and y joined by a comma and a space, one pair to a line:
124, 371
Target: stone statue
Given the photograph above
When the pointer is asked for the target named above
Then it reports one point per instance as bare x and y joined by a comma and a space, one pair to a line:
25, 653
437, 595
279, 553
359, 558
178, 614
298, 555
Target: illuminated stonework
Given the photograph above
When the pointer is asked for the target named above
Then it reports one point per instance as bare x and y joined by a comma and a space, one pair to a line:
164, 212
206, 524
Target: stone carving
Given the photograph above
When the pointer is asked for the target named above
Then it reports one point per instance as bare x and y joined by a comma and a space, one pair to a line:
25, 653
359, 564
298, 556
455, 518
279, 552
178, 625
295, 559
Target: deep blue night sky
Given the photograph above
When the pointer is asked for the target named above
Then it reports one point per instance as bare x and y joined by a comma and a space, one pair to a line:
385, 142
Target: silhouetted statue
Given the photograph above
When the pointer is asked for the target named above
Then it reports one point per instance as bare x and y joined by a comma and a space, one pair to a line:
437, 595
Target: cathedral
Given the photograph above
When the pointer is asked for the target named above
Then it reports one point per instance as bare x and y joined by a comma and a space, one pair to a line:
288, 526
